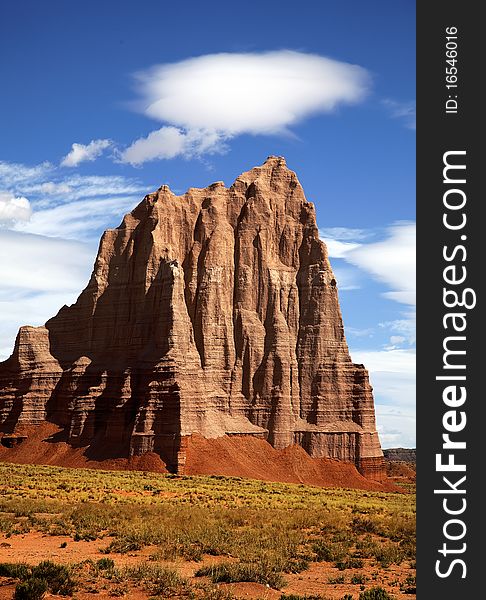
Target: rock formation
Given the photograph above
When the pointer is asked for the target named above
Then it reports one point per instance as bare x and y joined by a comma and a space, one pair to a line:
215, 312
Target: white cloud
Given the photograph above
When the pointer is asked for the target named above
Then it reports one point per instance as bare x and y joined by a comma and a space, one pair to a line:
207, 100
13, 208
38, 275
166, 142
249, 93
382, 361
80, 152
338, 249
169, 142
34, 263
391, 261
392, 375
402, 110
404, 327
396, 426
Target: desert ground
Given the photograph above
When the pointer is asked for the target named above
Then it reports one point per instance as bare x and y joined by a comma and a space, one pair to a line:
102, 534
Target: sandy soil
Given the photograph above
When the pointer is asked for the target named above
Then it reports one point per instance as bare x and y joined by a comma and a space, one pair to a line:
34, 547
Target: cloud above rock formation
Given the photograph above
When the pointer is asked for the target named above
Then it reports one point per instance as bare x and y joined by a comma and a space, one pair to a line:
205, 101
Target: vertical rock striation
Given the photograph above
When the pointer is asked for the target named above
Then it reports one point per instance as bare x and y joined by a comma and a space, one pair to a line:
214, 312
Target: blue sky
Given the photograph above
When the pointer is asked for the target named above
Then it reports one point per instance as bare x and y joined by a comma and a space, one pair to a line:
328, 85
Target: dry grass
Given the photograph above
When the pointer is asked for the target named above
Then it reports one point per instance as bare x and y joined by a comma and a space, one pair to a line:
265, 530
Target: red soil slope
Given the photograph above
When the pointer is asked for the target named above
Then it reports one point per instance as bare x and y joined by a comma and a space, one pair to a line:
255, 458
39, 449
235, 456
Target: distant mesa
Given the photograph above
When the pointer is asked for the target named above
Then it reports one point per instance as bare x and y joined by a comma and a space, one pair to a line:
408, 455
214, 314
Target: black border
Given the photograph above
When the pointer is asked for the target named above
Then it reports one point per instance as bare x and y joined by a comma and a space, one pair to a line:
438, 132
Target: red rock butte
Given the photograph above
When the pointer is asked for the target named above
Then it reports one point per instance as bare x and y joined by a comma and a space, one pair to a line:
213, 313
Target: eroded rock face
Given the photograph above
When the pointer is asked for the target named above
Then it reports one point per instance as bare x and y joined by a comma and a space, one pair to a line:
213, 312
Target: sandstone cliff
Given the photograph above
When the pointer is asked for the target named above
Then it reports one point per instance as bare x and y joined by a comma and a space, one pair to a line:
215, 312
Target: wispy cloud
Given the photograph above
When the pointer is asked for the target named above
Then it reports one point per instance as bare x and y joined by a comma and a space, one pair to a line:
46, 180
85, 152
360, 333
80, 220
82, 186
405, 328
347, 278
205, 101
346, 234
339, 249
391, 261
13, 174
405, 111
74, 206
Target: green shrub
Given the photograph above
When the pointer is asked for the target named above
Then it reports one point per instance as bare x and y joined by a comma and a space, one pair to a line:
376, 593
298, 597
237, 572
330, 551
123, 545
15, 570
367, 547
409, 586
31, 589
160, 581
166, 583
85, 536
350, 563
57, 577
363, 525
388, 554
216, 593
105, 564
295, 565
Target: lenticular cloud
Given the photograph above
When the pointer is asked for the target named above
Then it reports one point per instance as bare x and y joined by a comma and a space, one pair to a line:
254, 93
215, 97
